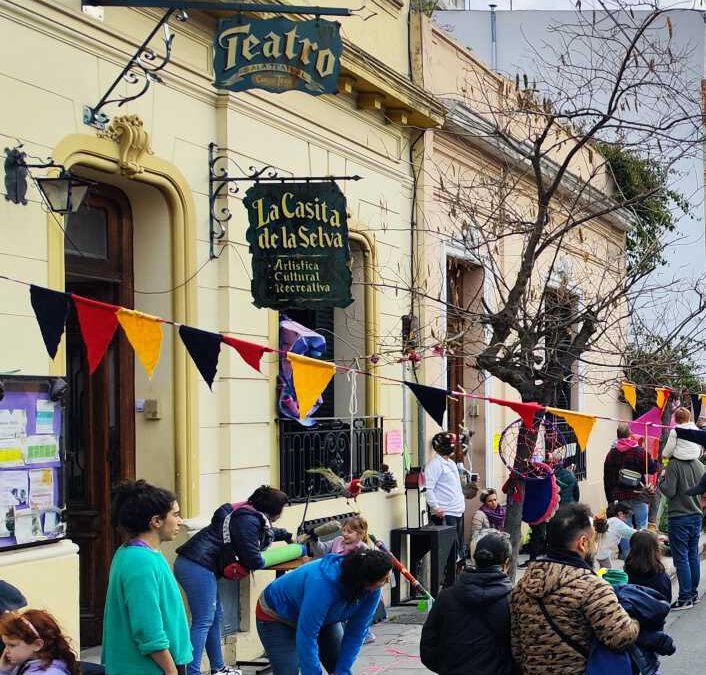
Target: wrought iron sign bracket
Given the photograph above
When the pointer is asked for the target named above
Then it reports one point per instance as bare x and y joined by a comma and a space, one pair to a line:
145, 65
221, 185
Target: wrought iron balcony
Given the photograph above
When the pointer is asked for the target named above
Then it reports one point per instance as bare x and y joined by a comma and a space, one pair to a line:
347, 449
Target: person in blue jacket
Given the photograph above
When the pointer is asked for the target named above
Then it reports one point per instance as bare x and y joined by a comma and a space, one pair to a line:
300, 616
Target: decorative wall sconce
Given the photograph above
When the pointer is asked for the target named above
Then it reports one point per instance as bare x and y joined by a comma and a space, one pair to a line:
63, 193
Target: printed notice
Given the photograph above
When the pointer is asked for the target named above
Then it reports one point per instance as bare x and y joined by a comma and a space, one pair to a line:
393, 442
41, 449
28, 526
45, 417
11, 452
41, 488
14, 488
13, 423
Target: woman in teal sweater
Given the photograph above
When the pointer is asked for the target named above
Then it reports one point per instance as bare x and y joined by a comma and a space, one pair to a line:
145, 631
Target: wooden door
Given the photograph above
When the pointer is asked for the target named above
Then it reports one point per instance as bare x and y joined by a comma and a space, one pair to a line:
100, 417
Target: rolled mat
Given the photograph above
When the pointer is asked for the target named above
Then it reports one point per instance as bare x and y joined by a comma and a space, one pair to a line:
280, 554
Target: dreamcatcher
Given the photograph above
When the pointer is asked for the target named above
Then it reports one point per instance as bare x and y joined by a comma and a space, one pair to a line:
547, 447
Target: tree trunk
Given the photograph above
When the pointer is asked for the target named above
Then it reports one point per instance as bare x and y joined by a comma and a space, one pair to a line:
526, 440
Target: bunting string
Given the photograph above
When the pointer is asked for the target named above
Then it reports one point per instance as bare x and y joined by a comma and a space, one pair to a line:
98, 322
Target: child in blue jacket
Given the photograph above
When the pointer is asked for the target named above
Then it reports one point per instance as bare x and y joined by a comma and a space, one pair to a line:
300, 615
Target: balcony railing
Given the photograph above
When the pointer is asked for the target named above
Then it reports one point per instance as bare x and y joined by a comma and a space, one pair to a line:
331, 443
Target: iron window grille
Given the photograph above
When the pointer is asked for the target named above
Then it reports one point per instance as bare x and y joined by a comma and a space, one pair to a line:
346, 447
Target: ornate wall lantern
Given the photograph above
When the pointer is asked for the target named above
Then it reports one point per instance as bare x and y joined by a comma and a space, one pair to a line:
63, 193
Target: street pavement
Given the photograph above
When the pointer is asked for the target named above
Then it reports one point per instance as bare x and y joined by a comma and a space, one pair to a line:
687, 631
396, 649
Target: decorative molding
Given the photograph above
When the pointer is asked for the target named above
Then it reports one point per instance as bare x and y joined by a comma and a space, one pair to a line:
346, 84
370, 101
397, 115
129, 132
59, 549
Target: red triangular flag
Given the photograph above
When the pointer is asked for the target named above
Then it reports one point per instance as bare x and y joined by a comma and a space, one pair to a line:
526, 411
249, 351
98, 321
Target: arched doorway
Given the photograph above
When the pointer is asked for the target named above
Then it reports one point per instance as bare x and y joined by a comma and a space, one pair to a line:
100, 434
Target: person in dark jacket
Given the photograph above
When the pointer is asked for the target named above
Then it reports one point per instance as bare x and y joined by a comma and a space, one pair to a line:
229, 546
467, 631
644, 565
627, 454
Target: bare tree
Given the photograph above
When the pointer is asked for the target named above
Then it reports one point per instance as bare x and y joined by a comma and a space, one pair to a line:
546, 218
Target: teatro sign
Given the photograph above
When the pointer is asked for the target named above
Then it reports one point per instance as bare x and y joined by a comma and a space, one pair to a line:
298, 236
277, 55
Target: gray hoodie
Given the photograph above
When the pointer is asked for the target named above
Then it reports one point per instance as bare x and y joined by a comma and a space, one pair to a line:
675, 481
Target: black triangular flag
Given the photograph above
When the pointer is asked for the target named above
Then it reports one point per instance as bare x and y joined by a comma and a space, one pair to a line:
204, 348
51, 309
696, 405
432, 399
697, 436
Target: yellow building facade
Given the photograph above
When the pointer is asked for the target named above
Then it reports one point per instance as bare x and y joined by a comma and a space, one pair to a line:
143, 242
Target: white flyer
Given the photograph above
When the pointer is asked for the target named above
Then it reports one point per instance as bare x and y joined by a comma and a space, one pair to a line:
14, 491
13, 423
28, 525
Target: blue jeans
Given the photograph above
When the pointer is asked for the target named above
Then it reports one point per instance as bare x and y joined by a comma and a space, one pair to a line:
280, 643
640, 515
201, 588
684, 534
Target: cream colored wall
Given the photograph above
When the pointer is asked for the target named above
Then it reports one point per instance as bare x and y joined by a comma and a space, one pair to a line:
48, 577
593, 254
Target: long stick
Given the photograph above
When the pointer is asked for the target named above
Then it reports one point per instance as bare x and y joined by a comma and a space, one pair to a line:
400, 567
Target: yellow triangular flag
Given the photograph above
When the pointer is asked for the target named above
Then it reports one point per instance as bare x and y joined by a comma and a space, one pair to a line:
144, 333
661, 396
310, 377
702, 398
630, 394
580, 423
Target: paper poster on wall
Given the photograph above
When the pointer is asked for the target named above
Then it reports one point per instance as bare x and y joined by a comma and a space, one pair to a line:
14, 491
41, 488
393, 442
45, 417
11, 452
13, 423
42, 449
28, 525
51, 524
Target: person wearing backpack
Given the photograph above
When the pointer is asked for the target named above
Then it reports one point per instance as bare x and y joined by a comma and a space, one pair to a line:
624, 474
467, 631
229, 546
561, 607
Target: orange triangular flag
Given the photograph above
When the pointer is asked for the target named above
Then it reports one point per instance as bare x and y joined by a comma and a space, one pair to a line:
630, 394
580, 423
662, 393
144, 333
310, 377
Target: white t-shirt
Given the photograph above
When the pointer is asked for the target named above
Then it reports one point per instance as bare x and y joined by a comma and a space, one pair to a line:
617, 530
443, 486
